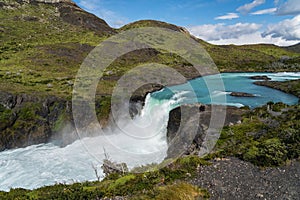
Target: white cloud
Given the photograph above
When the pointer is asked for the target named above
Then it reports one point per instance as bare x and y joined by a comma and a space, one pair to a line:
228, 16
291, 7
255, 38
221, 31
265, 11
288, 29
248, 7
248, 33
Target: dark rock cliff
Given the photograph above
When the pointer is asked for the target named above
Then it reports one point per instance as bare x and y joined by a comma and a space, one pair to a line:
189, 137
31, 119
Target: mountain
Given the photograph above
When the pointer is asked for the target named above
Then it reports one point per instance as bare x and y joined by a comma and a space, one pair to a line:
294, 48
257, 57
43, 43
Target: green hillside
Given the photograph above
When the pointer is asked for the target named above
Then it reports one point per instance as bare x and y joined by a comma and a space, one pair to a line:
258, 57
43, 45
294, 48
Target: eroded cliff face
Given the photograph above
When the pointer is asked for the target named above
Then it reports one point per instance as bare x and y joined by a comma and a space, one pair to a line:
186, 131
31, 119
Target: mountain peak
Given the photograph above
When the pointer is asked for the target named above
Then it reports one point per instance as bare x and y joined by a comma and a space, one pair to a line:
65, 10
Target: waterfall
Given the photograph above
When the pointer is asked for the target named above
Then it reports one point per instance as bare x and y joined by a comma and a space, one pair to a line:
138, 142
47, 164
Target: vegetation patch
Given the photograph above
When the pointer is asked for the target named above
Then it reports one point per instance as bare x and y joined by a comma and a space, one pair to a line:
267, 136
291, 87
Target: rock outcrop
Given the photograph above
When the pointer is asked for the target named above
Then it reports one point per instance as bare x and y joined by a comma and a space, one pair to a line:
31, 119
241, 94
191, 135
265, 78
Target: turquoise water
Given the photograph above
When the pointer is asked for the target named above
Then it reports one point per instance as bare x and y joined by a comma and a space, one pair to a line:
196, 90
47, 164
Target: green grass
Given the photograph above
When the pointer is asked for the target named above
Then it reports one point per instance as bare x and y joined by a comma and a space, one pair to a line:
48, 51
251, 58
261, 138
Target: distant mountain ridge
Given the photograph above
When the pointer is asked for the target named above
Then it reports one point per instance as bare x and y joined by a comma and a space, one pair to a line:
294, 48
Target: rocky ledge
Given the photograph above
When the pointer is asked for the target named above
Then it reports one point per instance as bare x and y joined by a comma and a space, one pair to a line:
31, 119
190, 136
241, 94
260, 78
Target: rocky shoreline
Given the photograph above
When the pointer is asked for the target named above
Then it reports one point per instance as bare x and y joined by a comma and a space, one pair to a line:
290, 87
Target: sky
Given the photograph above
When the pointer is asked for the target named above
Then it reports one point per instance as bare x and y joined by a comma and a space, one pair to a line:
216, 21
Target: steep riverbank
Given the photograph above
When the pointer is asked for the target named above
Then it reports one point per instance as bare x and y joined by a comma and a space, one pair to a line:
28, 119
31, 119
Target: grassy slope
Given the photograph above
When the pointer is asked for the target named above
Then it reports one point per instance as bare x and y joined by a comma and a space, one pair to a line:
31, 38
294, 48
261, 57
257, 57
267, 136
38, 48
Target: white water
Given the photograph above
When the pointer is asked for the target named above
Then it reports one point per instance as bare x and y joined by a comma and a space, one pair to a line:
47, 164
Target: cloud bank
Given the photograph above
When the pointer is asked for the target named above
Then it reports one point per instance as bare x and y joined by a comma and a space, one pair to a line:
288, 29
221, 31
283, 33
291, 7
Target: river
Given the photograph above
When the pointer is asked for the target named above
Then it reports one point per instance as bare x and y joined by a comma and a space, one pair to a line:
47, 164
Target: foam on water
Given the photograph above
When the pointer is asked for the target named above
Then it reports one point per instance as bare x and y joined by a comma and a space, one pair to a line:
47, 164
140, 141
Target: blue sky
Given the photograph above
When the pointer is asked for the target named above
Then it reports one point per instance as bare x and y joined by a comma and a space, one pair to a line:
216, 21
